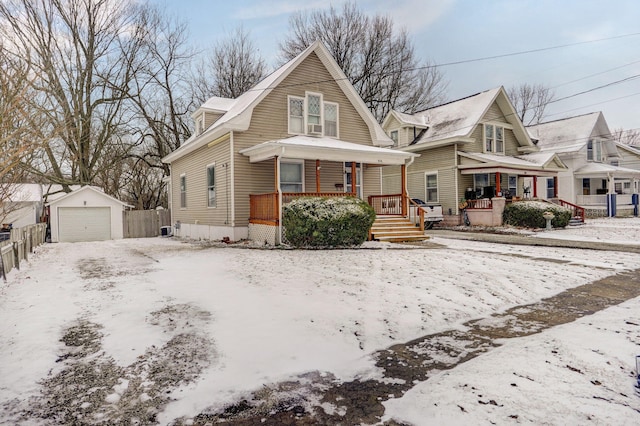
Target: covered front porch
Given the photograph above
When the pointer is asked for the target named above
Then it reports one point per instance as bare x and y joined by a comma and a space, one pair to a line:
605, 190
305, 166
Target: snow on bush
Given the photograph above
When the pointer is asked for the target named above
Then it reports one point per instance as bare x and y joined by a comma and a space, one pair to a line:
317, 222
529, 214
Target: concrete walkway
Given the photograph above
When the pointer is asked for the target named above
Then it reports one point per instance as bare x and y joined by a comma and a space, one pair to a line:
528, 240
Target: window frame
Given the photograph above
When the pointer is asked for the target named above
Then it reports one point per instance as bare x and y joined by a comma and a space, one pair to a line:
427, 187
209, 187
183, 190
594, 150
397, 134
302, 176
304, 104
324, 120
550, 188
494, 139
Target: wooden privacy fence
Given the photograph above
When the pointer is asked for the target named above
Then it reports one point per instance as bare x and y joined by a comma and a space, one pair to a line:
145, 223
20, 245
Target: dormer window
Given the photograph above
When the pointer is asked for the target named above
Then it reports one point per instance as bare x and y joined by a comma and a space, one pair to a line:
199, 126
594, 150
312, 116
493, 139
394, 137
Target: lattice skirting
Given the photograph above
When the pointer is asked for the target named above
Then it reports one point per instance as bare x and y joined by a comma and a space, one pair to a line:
263, 233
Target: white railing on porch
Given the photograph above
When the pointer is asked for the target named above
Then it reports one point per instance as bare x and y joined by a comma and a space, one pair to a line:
601, 200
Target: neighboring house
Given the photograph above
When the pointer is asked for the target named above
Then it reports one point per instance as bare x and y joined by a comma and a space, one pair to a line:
303, 130
86, 214
23, 205
601, 174
473, 148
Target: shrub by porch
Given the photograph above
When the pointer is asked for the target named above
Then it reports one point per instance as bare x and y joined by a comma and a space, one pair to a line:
319, 222
529, 214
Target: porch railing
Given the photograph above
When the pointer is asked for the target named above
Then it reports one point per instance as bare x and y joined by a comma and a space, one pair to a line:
576, 210
480, 204
264, 208
386, 204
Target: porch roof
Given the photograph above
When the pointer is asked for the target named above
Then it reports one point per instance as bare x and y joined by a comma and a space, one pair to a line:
328, 149
530, 164
604, 170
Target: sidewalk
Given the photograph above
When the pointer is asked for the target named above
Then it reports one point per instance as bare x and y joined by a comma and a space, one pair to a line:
529, 240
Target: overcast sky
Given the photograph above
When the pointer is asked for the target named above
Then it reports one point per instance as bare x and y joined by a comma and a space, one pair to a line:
446, 31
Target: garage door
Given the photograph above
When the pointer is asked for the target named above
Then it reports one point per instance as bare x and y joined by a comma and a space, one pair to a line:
84, 224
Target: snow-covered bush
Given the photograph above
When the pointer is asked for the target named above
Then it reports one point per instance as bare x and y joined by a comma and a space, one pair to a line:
318, 222
529, 214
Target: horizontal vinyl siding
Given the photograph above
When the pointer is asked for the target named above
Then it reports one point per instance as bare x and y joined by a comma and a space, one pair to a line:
270, 121
391, 179
510, 143
494, 113
371, 180
194, 166
210, 118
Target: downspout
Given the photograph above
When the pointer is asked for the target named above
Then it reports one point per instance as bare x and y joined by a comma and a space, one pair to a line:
455, 177
279, 236
233, 187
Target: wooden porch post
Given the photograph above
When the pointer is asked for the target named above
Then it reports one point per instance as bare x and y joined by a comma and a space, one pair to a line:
275, 174
535, 187
354, 179
403, 180
497, 183
555, 187
318, 176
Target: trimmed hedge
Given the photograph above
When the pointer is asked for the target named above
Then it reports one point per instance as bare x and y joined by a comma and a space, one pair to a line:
319, 222
528, 214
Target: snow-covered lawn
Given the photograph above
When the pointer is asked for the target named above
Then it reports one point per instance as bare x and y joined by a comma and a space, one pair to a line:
267, 315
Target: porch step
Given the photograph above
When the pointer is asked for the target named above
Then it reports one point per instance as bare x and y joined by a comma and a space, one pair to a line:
396, 229
575, 221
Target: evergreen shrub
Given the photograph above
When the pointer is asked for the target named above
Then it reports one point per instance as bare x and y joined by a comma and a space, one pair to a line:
319, 222
528, 214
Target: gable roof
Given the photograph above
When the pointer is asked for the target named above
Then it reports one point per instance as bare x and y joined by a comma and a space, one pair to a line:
569, 134
87, 188
455, 121
538, 162
238, 115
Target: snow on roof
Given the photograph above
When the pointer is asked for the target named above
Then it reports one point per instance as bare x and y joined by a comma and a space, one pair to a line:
603, 168
526, 160
218, 104
565, 135
418, 121
457, 118
324, 148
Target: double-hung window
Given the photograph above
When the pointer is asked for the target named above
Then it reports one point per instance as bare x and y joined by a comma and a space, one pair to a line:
211, 185
183, 191
431, 183
594, 150
493, 138
331, 119
296, 115
394, 137
291, 176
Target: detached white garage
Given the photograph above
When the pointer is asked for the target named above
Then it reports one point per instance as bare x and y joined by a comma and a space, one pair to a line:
86, 214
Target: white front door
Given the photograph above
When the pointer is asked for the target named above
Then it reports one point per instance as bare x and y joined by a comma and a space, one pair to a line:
348, 181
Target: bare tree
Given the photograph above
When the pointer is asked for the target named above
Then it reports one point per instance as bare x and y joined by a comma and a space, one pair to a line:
232, 67
379, 61
17, 130
81, 54
530, 101
161, 89
629, 137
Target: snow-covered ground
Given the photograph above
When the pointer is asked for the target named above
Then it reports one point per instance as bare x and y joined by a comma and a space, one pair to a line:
268, 315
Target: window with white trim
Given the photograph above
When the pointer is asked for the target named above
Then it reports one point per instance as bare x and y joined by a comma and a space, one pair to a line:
211, 185
292, 176
311, 115
331, 119
594, 150
513, 185
183, 191
394, 137
551, 189
431, 185
493, 138
296, 115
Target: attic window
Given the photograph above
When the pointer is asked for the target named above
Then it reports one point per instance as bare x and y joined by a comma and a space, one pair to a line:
394, 137
311, 115
594, 150
493, 139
